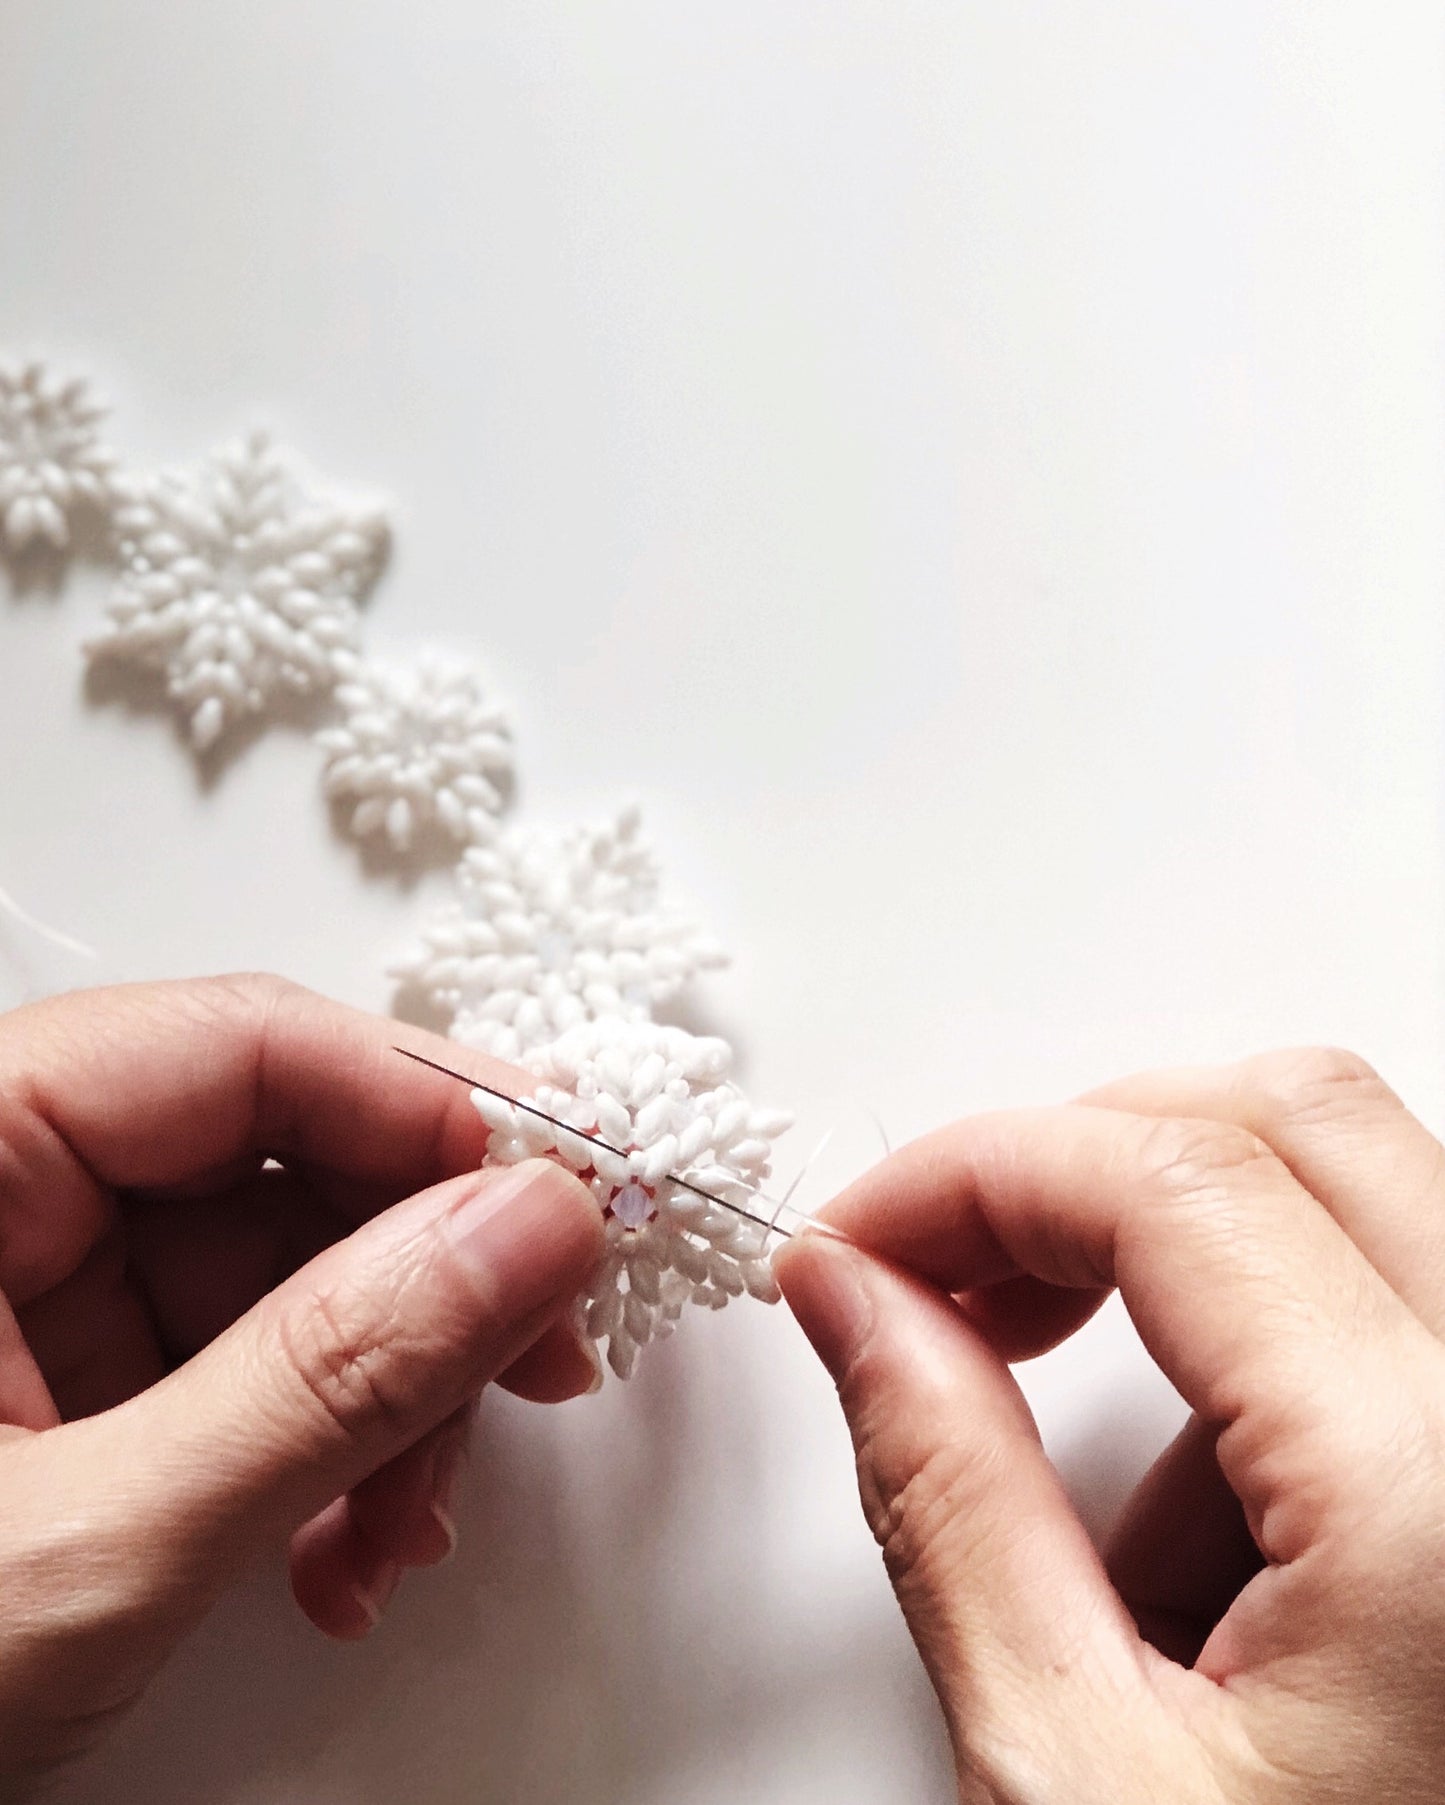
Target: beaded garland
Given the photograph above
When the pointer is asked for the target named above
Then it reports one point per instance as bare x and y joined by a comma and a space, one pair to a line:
239, 585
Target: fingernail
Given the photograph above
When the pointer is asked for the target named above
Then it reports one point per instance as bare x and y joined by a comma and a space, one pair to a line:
531, 1231
589, 1352
374, 1598
823, 1281
446, 1479
447, 1524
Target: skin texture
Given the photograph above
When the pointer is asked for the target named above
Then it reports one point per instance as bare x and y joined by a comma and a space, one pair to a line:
251, 1285
1269, 1623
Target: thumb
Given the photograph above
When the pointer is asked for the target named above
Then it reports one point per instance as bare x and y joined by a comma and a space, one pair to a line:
351, 1360
1006, 1598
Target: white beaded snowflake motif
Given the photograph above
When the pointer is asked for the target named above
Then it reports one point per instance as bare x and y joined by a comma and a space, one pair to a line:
52, 459
553, 929
662, 1099
237, 587
418, 745
240, 582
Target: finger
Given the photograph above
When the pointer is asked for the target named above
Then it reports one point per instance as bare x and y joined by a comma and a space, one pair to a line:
407, 1508
1347, 1138
559, 1365
1005, 1596
403, 1515
204, 1261
1182, 1552
350, 1362
144, 1086
346, 1562
92, 1336
1021, 1318
1252, 1300
25, 1400
341, 1579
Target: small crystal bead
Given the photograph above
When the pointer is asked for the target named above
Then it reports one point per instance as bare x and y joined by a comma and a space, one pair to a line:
632, 1205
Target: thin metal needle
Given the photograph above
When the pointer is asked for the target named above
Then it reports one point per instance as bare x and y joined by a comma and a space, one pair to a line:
596, 1140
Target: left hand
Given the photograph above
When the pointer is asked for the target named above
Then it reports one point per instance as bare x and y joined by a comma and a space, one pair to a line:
250, 1282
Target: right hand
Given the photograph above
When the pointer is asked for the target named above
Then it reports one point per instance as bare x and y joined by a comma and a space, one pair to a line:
1270, 1623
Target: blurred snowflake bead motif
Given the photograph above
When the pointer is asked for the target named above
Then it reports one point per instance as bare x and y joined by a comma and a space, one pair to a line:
240, 582
662, 1098
52, 458
418, 745
551, 930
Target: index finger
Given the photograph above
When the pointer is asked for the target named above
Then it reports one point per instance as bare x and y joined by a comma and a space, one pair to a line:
1249, 1296
145, 1086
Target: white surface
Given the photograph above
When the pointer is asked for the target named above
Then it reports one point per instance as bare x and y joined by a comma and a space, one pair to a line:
975, 472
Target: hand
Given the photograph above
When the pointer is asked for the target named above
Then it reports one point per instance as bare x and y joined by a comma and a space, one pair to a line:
227, 1320
1270, 1622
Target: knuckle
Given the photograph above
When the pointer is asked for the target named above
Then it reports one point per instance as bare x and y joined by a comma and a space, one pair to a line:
1187, 1158
259, 1004
336, 1351
246, 1001
1378, 1501
260, 994
1316, 1081
910, 1513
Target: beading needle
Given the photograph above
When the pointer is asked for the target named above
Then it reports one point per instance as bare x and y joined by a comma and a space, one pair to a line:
597, 1141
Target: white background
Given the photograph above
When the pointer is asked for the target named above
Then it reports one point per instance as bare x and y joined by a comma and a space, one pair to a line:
974, 471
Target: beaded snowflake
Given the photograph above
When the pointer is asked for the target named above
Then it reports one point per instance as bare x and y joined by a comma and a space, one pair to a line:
417, 745
553, 929
240, 581
52, 458
662, 1099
